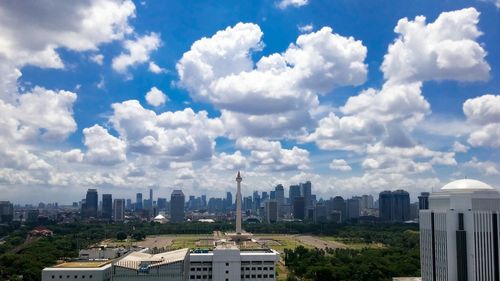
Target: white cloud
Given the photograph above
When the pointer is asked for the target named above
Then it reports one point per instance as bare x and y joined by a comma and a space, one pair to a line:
154, 68
183, 135
229, 162
137, 52
156, 97
305, 28
496, 2
487, 167
97, 58
283, 4
269, 155
103, 148
279, 88
443, 50
340, 165
459, 147
484, 111
45, 27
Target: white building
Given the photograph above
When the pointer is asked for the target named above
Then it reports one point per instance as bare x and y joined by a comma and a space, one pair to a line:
459, 233
79, 270
138, 266
229, 263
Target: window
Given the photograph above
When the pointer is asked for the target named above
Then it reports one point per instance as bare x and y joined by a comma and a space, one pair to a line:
227, 271
192, 268
60, 276
265, 275
83, 276
198, 269
90, 276
259, 268
67, 276
76, 276
227, 264
265, 267
253, 268
253, 275
198, 276
192, 276
259, 275
271, 275
205, 269
53, 277
242, 268
271, 268
247, 276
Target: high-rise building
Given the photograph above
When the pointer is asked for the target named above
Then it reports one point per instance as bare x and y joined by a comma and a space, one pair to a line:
162, 204
320, 213
228, 203
423, 201
280, 199
299, 208
6, 211
177, 200
89, 208
459, 233
338, 204
352, 208
129, 204
256, 201
151, 195
394, 206
271, 211
272, 195
264, 197
305, 191
138, 201
366, 202
107, 206
119, 210
247, 203
204, 201
294, 191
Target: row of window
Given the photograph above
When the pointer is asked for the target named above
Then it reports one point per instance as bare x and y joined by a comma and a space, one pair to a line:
243, 276
201, 269
257, 268
68, 276
193, 277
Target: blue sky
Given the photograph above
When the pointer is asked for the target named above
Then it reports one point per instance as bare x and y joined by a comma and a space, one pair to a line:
127, 95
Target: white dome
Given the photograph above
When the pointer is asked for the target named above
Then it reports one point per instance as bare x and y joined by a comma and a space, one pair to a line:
159, 217
467, 185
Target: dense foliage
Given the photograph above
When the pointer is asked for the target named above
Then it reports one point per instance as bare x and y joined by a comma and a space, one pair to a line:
19, 256
399, 257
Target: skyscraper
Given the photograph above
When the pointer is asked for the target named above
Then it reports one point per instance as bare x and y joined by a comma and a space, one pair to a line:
89, 209
459, 233
293, 192
177, 200
271, 211
151, 195
338, 204
423, 201
228, 203
162, 204
138, 201
280, 199
107, 206
299, 208
119, 210
6, 211
352, 207
305, 191
394, 206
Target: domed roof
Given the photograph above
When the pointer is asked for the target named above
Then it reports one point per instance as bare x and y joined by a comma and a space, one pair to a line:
467, 185
159, 217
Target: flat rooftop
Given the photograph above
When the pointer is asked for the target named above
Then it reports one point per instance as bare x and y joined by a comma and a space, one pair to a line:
82, 264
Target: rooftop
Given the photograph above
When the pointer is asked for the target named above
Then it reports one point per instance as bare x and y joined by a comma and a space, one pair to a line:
467, 185
82, 264
135, 259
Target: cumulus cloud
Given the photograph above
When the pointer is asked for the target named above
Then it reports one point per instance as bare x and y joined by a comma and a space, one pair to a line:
229, 162
184, 135
137, 52
459, 147
97, 58
305, 28
495, 2
340, 165
154, 68
46, 26
103, 148
279, 88
269, 155
484, 111
283, 4
487, 167
443, 50
156, 97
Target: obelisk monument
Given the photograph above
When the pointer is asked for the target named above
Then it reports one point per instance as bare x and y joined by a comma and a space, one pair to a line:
238, 204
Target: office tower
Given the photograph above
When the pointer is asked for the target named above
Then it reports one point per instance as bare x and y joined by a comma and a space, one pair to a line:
385, 205
129, 204
107, 206
338, 204
299, 208
280, 199
272, 195
394, 206
6, 211
320, 213
264, 197
256, 201
204, 201
459, 233
191, 202
138, 201
305, 191
271, 211
119, 210
414, 211
423, 201
366, 202
162, 204
151, 195
293, 191
247, 203
147, 204
352, 208
89, 209
228, 203
177, 200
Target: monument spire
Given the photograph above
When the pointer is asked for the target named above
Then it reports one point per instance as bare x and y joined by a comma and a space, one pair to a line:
238, 203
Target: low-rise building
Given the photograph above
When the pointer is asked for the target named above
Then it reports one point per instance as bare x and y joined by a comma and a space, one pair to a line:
167, 266
79, 270
229, 263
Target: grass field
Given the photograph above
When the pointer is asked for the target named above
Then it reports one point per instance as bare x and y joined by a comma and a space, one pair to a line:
351, 245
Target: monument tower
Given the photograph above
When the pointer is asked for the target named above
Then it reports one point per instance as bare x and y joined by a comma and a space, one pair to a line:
238, 203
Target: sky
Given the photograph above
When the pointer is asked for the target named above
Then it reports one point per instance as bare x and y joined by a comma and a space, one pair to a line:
356, 96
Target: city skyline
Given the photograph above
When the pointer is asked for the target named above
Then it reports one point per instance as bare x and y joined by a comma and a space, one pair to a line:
356, 97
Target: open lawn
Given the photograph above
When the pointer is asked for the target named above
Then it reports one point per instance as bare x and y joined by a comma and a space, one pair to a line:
351, 245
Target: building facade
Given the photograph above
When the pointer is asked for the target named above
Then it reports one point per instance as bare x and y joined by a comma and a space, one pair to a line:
177, 200
107, 206
119, 210
81, 270
228, 263
459, 233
